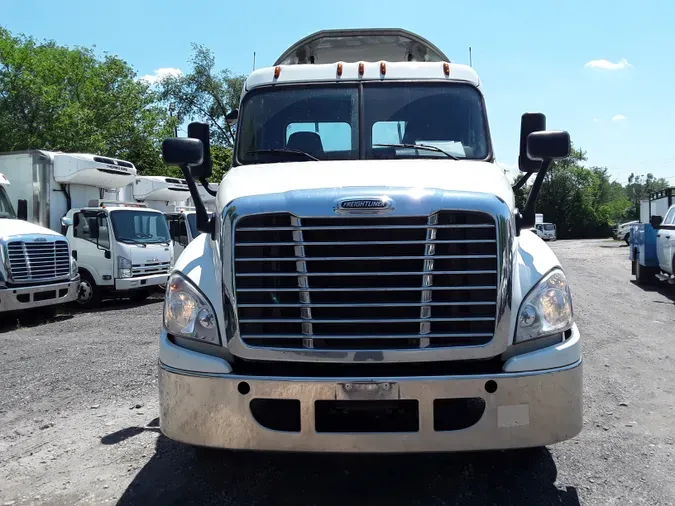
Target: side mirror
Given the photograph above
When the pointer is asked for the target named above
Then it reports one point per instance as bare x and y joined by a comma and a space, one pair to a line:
173, 229
93, 228
530, 122
656, 221
66, 221
200, 131
232, 117
22, 209
548, 145
181, 151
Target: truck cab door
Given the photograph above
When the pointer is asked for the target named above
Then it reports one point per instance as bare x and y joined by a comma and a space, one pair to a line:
93, 250
665, 242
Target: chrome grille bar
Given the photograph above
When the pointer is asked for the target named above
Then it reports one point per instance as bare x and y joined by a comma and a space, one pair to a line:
365, 282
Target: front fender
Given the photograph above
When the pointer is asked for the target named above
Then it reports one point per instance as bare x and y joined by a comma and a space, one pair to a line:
533, 259
199, 263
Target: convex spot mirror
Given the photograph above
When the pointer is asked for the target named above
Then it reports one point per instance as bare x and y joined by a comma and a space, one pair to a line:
182, 151
548, 145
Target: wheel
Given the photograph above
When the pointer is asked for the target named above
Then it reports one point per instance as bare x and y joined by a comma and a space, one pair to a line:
139, 295
626, 238
88, 294
642, 274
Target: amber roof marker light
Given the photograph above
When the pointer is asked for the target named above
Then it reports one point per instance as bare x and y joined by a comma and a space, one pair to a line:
446, 68
339, 69
362, 68
277, 71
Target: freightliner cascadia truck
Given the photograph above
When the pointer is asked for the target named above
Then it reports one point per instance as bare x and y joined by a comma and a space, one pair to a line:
367, 283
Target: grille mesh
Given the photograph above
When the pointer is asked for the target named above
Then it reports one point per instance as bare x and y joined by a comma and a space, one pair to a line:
38, 261
366, 283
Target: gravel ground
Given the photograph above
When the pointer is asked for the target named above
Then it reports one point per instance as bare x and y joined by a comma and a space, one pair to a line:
78, 419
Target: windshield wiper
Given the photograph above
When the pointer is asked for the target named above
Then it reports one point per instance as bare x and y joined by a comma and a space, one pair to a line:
129, 239
426, 147
283, 151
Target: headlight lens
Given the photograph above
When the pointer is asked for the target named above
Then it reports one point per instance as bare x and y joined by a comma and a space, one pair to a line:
187, 313
547, 309
123, 267
73, 267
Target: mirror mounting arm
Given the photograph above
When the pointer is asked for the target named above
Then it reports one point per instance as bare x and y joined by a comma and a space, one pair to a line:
521, 182
526, 219
205, 184
204, 223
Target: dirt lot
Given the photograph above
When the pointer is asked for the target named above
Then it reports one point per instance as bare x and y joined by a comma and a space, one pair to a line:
78, 419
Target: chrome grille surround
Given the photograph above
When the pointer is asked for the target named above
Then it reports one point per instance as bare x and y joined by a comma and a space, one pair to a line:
35, 258
149, 269
311, 206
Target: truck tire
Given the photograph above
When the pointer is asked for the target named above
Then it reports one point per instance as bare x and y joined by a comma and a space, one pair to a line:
643, 275
626, 238
139, 295
88, 294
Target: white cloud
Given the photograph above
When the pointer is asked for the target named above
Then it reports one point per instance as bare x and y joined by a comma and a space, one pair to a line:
160, 74
596, 120
618, 117
608, 65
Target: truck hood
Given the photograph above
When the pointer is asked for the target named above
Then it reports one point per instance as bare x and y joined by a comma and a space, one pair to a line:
9, 228
464, 175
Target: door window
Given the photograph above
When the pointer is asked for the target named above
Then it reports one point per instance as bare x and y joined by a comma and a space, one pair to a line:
670, 217
81, 228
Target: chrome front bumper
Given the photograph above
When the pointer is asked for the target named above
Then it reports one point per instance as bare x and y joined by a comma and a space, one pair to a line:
20, 299
527, 409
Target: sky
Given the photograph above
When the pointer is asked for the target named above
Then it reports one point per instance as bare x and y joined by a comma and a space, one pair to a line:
600, 69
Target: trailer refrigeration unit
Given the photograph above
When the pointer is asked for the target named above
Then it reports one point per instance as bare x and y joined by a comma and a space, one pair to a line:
157, 192
122, 248
367, 283
37, 269
652, 240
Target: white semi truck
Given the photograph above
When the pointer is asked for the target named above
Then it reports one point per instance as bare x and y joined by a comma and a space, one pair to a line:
37, 269
122, 248
367, 283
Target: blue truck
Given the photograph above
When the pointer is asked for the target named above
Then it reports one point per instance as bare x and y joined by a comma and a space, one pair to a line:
652, 240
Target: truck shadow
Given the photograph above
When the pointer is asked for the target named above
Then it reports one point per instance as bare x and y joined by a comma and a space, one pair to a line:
29, 319
117, 304
663, 289
175, 475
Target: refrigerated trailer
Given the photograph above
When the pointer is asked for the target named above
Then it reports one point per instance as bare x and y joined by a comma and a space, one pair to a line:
122, 248
367, 283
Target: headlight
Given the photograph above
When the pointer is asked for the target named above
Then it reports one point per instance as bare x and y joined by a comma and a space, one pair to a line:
123, 267
187, 313
73, 267
546, 310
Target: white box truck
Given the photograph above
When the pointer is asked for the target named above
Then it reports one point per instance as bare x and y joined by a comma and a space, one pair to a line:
122, 248
367, 283
37, 269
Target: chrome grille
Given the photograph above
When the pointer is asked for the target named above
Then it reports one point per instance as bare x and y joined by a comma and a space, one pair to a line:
31, 261
150, 268
366, 282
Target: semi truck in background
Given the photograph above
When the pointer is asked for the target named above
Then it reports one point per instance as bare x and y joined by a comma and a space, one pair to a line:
652, 239
123, 249
373, 287
37, 269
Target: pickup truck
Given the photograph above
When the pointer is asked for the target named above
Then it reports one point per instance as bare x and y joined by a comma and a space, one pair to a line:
652, 245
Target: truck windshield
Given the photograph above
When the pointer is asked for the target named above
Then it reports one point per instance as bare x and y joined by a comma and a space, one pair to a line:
192, 222
549, 226
323, 122
141, 227
6, 209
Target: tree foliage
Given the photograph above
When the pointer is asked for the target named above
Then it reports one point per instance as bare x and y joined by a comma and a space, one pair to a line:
68, 99
205, 94
584, 201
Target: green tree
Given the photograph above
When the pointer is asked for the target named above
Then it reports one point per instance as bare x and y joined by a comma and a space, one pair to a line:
638, 188
206, 94
69, 99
